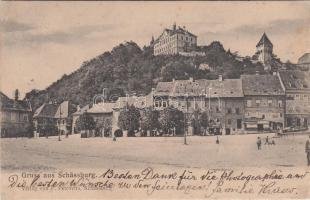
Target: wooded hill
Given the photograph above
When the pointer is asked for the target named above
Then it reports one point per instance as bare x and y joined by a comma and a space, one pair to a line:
128, 69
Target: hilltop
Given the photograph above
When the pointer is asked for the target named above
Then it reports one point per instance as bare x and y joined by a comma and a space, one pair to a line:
128, 69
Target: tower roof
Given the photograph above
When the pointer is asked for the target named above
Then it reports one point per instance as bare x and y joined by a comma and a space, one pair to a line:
264, 40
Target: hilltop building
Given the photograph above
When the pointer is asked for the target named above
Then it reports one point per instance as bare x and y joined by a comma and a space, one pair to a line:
175, 40
15, 117
264, 102
297, 90
264, 50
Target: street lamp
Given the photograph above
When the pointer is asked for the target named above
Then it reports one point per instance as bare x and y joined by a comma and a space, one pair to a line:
185, 120
59, 122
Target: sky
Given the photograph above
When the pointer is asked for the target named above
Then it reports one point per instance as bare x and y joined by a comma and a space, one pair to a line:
41, 41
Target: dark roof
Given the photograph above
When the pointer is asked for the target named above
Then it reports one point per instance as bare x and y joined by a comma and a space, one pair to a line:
164, 88
261, 85
9, 104
264, 40
46, 110
305, 59
225, 88
50, 110
174, 31
294, 79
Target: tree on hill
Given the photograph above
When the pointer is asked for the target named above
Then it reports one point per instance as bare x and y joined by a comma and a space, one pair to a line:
132, 69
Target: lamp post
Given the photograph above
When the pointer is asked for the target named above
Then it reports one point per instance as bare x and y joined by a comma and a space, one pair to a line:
185, 120
59, 123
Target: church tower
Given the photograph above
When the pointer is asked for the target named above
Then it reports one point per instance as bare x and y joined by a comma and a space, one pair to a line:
264, 50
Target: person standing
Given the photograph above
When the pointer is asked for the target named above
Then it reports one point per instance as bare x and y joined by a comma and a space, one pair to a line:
267, 140
307, 150
259, 143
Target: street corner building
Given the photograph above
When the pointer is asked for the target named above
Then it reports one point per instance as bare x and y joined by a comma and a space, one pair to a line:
53, 119
15, 116
264, 102
297, 90
222, 99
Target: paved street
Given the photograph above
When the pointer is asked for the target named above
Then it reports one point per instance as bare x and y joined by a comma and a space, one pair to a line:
161, 152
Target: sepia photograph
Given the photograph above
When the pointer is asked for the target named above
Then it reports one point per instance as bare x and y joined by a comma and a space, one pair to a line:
155, 100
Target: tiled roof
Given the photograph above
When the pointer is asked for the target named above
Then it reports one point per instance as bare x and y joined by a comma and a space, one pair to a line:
264, 40
9, 104
102, 108
46, 110
52, 110
137, 101
82, 110
304, 59
293, 79
261, 85
225, 88
164, 88
177, 30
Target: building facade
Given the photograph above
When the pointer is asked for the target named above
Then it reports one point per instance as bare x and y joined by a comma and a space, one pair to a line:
50, 119
264, 101
16, 117
264, 51
175, 40
297, 91
221, 99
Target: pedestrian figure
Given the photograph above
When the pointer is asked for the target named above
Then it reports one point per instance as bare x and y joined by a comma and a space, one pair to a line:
67, 135
217, 140
267, 140
259, 143
273, 142
308, 151
114, 138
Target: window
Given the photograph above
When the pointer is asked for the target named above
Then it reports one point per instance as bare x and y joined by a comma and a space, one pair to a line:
263, 116
280, 103
156, 104
229, 110
249, 103
164, 104
229, 121
237, 111
269, 102
188, 104
257, 102
25, 118
281, 114
217, 109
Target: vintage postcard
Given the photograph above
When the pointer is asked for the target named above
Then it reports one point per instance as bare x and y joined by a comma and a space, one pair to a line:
155, 100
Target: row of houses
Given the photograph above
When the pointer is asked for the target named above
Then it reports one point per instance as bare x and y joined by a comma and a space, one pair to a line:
252, 103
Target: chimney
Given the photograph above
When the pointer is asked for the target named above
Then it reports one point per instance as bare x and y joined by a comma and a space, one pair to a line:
220, 78
174, 27
184, 27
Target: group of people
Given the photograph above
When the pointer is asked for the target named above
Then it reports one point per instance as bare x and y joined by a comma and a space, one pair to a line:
307, 148
267, 141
